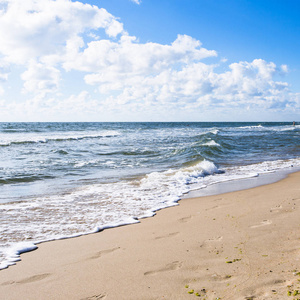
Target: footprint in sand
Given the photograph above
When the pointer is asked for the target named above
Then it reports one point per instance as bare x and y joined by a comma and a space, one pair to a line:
28, 279
209, 242
166, 236
34, 278
95, 297
218, 206
103, 252
215, 239
185, 219
169, 267
263, 223
8, 282
221, 278
277, 208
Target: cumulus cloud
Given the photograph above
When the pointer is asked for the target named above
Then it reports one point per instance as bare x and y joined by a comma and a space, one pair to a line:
31, 28
196, 84
50, 39
127, 56
40, 77
39, 30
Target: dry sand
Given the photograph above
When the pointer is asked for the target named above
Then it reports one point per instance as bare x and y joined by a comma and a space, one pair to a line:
239, 245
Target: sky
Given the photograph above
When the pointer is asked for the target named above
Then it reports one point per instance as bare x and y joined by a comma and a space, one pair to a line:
149, 60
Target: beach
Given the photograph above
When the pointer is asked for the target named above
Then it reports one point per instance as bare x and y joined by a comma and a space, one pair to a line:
238, 245
148, 150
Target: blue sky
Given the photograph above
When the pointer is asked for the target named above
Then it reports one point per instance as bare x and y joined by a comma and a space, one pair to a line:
149, 60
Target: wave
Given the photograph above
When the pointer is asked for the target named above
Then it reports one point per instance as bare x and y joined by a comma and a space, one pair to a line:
215, 131
252, 127
24, 179
211, 143
63, 152
208, 133
265, 166
272, 128
130, 153
56, 138
13, 130
290, 128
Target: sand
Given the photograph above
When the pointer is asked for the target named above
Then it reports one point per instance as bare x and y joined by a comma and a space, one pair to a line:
239, 245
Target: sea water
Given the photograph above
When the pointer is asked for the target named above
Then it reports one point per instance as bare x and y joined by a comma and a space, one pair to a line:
62, 180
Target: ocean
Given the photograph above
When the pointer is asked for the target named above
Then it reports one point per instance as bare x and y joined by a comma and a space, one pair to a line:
61, 180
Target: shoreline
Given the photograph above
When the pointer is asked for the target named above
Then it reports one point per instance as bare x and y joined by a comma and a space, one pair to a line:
217, 188
235, 185
208, 244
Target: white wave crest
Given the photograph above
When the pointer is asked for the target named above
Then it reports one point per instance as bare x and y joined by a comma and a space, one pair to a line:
251, 127
211, 143
215, 131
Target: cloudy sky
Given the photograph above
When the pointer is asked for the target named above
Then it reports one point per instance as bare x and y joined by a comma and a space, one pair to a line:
149, 60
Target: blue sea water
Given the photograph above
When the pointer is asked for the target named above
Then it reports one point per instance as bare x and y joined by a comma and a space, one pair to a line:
66, 179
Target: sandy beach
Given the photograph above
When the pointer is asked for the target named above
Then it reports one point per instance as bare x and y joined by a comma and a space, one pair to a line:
238, 245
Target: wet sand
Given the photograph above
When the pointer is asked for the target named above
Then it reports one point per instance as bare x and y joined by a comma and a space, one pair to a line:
238, 245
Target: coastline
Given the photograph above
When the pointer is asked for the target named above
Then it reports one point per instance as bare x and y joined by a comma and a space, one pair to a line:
234, 185
235, 245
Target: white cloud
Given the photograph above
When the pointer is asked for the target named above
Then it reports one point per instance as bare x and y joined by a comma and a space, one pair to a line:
39, 31
284, 68
51, 38
40, 77
31, 28
127, 56
198, 85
